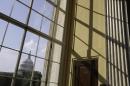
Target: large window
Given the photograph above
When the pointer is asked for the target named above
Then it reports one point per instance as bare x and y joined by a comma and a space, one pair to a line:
31, 41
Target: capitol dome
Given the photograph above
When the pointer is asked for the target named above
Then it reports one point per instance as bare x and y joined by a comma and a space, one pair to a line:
27, 65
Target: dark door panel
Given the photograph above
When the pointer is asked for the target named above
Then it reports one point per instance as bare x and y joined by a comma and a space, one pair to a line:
85, 72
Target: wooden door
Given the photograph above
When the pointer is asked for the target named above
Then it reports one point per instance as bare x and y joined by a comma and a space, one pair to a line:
85, 72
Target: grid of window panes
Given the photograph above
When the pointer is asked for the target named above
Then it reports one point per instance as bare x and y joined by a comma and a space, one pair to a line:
41, 39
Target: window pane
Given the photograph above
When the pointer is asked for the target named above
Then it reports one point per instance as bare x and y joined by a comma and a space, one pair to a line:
43, 7
36, 49
3, 25
54, 73
30, 43
41, 68
35, 20
42, 84
13, 37
59, 33
8, 59
43, 43
61, 18
47, 26
26, 66
39, 65
39, 5
27, 2
20, 12
49, 10
57, 53
6, 6
63, 4
52, 84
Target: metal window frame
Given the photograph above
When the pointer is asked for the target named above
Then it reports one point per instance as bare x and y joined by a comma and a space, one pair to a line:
26, 28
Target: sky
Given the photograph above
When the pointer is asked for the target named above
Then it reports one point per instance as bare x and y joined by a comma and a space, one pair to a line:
8, 58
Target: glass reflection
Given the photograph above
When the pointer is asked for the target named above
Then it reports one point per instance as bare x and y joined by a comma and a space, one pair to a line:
35, 20
47, 27
8, 59
3, 25
13, 37
42, 47
6, 6
30, 43
27, 2
24, 11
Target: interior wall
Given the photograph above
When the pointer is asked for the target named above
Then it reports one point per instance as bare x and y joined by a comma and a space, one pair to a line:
89, 35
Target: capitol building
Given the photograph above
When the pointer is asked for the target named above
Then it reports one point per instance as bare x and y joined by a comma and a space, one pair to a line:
24, 73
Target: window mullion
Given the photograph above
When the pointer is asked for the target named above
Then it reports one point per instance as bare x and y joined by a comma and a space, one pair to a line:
21, 48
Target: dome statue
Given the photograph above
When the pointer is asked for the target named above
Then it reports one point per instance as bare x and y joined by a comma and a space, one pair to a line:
27, 65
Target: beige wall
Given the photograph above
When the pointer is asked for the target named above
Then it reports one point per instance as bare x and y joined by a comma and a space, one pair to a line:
81, 38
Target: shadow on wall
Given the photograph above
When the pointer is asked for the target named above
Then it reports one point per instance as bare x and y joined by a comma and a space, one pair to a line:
105, 36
